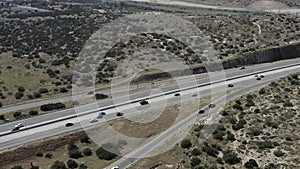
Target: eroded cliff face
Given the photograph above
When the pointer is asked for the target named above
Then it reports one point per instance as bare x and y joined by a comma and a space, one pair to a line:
265, 56
261, 56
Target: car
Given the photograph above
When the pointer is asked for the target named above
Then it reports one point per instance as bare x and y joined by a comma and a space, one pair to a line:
177, 94
230, 85
120, 114
90, 93
255, 75
262, 76
115, 167
93, 120
194, 95
201, 111
103, 113
258, 78
144, 102
17, 127
211, 105
69, 124
99, 116
243, 67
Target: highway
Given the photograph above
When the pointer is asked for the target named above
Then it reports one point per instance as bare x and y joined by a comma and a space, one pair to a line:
54, 124
214, 7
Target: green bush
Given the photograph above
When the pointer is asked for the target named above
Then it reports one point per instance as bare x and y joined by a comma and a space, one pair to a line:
186, 144
83, 166
251, 164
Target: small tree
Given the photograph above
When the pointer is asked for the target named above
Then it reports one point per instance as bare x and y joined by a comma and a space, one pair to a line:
85, 139
195, 152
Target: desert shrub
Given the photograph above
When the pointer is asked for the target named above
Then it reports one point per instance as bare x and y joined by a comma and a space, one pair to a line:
230, 136
58, 165
195, 161
39, 153
53, 106
195, 152
43, 90
251, 164
72, 164
21, 89
85, 139
1, 104
210, 151
33, 112
237, 106
48, 155
83, 166
278, 153
230, 157
19, 95
37, 95
2, 117
17, 167
63, 90
17, 114
87, 152
186, 143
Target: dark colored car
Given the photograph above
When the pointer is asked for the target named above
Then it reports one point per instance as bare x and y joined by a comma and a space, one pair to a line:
258, 78
201, 111
242, 68
144, 102
177, 94
211, 105
262, 76
194, 95
103, 113
120, 114
230, 85
69, 124
90, 93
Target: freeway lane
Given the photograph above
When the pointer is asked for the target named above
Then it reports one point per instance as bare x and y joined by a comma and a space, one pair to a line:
44, 131
228, 73
110, 103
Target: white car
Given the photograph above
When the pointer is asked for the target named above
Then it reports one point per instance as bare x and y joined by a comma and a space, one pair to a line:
93, 120
18, 126
115, 167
